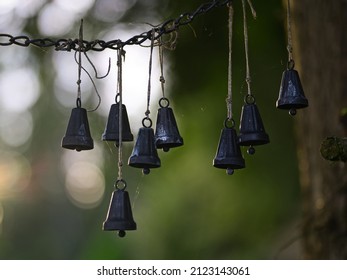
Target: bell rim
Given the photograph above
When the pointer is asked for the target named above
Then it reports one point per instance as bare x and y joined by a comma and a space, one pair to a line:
110, 226
240, 164
144, 165
115, 137
69, 142
253, 139
163, 144
282, 104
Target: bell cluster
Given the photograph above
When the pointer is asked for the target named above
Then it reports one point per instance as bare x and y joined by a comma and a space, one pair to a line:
144, 154
252, 131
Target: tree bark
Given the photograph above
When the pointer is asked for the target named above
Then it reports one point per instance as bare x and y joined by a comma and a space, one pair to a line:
320, 53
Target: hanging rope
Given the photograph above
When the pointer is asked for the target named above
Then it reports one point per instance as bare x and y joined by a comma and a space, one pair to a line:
80, 68
120, 52
230, 90
149, 75
80, 42
245, 32
161, 62
289, 30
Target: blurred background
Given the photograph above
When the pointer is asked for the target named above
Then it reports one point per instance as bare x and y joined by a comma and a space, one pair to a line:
53, 201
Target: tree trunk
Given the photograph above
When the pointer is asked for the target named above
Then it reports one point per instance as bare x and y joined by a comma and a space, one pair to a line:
320, 53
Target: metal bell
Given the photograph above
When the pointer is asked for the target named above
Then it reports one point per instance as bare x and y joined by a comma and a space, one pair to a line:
77, 136
228, 154
252, 131
291, 94
119, 215
111, 132
166, 134
144, 154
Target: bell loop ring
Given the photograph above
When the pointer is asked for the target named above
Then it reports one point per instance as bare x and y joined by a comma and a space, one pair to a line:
78, 102
163, 101
249, 99
149, 124
229, 123
117, 98
290, 64
120, 184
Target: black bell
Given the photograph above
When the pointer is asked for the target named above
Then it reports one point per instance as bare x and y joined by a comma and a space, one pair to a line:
166, 134
291, 94
252, 131
228, 154
111, 132
77, 136
119, 216
144, 154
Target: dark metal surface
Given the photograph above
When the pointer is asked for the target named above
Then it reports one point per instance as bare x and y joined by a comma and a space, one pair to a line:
167, 134
119, 216
77, 136
229, 154
144, 154
111, 132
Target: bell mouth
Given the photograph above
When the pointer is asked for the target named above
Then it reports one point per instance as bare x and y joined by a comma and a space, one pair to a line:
142, 165
234, 163
253, 139
167, 146
78, 143
294, 104
119, 225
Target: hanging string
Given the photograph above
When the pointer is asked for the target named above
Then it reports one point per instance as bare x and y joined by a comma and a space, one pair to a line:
120, 52
161, 61
229, 98
149, 75
80, 43
80, 67
289, 27
78, 60
245, 32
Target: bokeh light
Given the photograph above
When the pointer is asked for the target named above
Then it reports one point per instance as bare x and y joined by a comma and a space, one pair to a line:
1, 216
84, 179
16, 129
85, 184
19, 89
15, 173
135, 77
110, 10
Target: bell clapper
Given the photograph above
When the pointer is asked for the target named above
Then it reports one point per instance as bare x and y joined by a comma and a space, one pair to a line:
230, 171
251, 150
146, 171
166, 149
292, 112
121, 233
